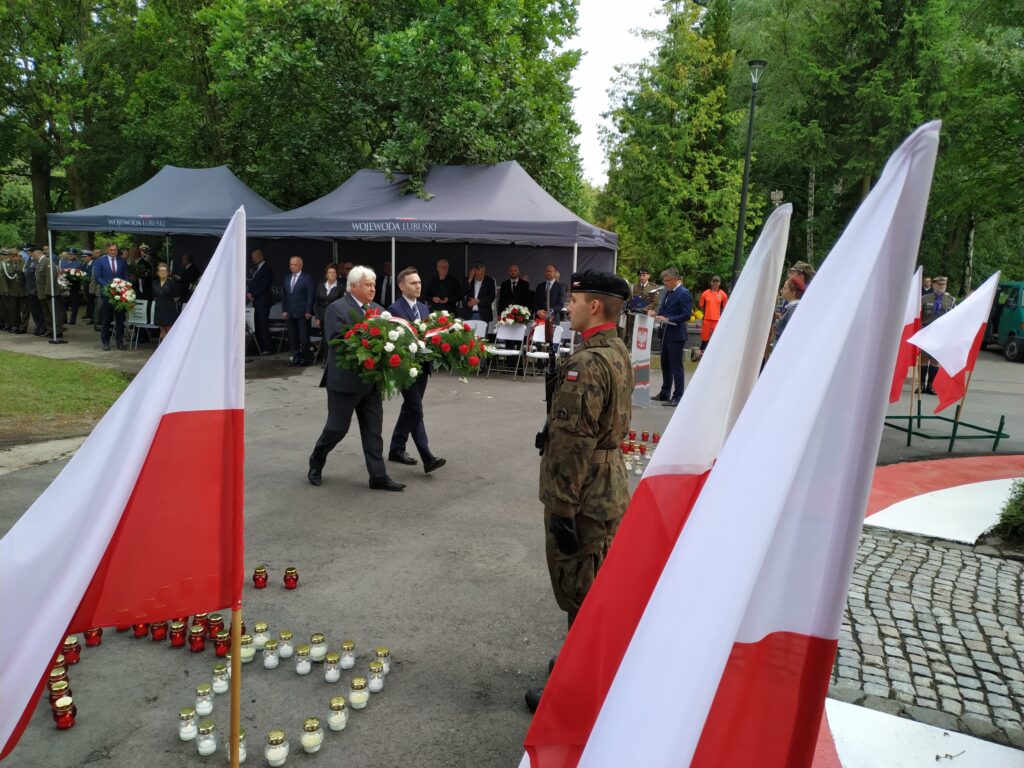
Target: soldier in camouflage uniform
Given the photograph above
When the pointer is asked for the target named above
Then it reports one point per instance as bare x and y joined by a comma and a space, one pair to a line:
933, 306
583, 481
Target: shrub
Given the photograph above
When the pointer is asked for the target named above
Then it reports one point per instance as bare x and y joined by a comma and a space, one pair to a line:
1011, 520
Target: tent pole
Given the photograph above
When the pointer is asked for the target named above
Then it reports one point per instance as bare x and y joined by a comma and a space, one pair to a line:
465, 259
575, 255
615, 261
392, 271
52, 269
334, 251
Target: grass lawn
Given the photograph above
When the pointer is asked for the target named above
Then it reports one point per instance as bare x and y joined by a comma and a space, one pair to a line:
42, 399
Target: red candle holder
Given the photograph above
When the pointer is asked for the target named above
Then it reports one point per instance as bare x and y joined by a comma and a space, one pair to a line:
656, 437
291, 578
59, 661
632, 435
645, 436
222, 643
177, 633
643, 449
140, 630
158, 631
122, 627
259, 577
64, 713
58, 691
57, 674
93, 637
215, 624
197, 639
202, 620
72, 650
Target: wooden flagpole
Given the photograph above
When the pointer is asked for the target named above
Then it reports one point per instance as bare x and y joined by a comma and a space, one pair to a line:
959, 411
914, 381
236, 683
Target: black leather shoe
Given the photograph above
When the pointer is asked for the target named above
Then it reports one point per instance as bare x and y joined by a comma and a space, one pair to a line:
402, 458
385, 484
661, 397
434, 462
121, 347
929, 391
106, 347
670, 403
533, 698
551, 664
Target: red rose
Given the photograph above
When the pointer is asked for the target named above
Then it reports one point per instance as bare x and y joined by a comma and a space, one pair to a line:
474, 361
465, 327
372, 312
435, 339
368, 364
443, 321
361, 326
463, 349
348, 333
366, 343
446, 347
396, 360
375, 331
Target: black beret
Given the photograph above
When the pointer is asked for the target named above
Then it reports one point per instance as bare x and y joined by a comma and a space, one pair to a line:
602, 283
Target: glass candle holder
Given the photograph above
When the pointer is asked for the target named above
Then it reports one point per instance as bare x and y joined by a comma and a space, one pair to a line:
202, 620
241, 746
645, 436
247, 651
260, 635
206, 741
222, 643
286, 647
628, 464
187, 729
632, 435
639, 468
358, 696
57, 674
656, 438
270, 654
375, 683
332, 667
291, 578
140, 630
59, 661
197, 639
302, 662
312, 735
158, 631
643, 450
317, 647
58, 691
624, 446
64, 713
259, 577
338, 718
72, 650
348, 654
204, 699
383, 654
122, 627
93, 637
177, 634
221, 680
276, 750
215, 624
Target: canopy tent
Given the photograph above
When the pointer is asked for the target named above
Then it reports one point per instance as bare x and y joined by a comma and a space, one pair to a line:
197, 201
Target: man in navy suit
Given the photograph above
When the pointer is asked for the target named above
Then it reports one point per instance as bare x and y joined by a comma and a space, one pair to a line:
347, 393
261, 283
515, 290
674, 311
297, 308
549, 298
410, 420
481, 291
104, 270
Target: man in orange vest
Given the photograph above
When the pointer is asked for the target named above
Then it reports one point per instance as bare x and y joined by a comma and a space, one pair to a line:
711, 302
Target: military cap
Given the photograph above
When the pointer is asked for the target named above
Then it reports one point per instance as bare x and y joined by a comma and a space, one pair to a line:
643, 271
8, 252
144, 248
940, 279
86, 252
601, 283
801, 266
29, 247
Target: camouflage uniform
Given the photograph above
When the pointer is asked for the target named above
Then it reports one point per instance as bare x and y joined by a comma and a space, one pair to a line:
929, 315
581, 473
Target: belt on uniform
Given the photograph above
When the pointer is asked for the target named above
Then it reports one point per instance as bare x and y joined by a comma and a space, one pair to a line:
602, 455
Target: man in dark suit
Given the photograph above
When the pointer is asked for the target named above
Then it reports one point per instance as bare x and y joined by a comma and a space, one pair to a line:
104, 270
189, 277
410, 420
481, 290
385, 284
515, 290
261, 289
674, 311
347, 393
549, 298
444, 291
297, 308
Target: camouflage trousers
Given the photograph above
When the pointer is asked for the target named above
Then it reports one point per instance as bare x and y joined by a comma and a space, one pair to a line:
572, 575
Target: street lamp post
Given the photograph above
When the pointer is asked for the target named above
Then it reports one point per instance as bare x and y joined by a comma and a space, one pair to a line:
756, 68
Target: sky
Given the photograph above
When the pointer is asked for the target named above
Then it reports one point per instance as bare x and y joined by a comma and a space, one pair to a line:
606, 37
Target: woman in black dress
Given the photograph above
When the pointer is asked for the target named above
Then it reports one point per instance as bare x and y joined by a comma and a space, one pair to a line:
326, 292
165, 294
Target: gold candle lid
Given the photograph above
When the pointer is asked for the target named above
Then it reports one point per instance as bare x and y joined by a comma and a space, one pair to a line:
302, 650
204, 689
187, 713
58, 673
358, 683
245, 640
64, 704
223, 635
275, 737
286, 634
333, 657
291, 571
317, 638
216, 617
159, 623
261, 626
71, 641
338, 703
377, 666
59, 661
220, 668
59, 689
310, 724
177, 626
261, 569
271, 645
348, 645
197, 629
207, 727
199, 617
382, 652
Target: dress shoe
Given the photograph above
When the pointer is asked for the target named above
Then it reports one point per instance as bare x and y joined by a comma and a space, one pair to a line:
670, 403
20, 331
434, 462
314, 474
533, 698
121, 347
660, 396
929, 391
106, 347
402, 457
385, 484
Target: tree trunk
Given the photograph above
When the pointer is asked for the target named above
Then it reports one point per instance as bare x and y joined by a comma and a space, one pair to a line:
810, 216
965, 283
39, 165
865, 188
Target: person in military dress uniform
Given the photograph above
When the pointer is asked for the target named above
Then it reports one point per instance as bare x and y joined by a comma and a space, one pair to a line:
51, 299
934, 305
583, 481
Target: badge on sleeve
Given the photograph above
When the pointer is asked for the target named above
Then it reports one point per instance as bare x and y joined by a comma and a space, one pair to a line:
572, 375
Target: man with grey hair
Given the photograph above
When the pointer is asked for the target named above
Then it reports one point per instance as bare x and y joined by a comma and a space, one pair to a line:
347, 393
298, 293
673, 312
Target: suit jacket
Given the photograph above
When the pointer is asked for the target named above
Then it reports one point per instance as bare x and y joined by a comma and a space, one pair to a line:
676, 306
341, 314
44, 268
261, 283
450, 288
103, 274
299, 302
325, 298
540, 297
402, 309
488, 292
382, 296
142, 278
521, 295
189, 280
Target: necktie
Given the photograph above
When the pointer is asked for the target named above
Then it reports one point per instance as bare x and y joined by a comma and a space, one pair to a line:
111, 266
514, 284
416, 312
937, 309
294, 278
549, 297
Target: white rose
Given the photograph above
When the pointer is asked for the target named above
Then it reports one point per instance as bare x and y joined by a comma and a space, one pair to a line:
423, 345
414, 346
385, 315
414, 372
445, 313
393, 335
389, 347
400, 330
423, 326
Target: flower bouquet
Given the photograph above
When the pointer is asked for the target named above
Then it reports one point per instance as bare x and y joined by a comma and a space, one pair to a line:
451, 344
515, 314
76, 276
383, 350
121, 295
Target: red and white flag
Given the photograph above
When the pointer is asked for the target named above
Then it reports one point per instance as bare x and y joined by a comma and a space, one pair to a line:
658, 510
729, 663
906, 357
110, 540
955, 339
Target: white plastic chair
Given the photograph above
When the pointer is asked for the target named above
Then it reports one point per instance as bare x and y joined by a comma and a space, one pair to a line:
540, 338
479, 327
512, 336
250, 327
140, 317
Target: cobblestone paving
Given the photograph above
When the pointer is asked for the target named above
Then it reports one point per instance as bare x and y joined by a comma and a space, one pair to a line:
933, 631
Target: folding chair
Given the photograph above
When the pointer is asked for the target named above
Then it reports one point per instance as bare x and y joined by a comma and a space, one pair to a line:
511, 338
139, 318
277, 326
250, 328
539, 339
479, 327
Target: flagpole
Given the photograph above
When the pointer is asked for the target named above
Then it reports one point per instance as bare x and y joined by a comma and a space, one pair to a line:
915, 369
959, 410
236, 683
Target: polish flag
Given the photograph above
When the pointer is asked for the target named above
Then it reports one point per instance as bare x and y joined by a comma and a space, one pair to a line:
955, 339
730, 660
658, 510
110, 541
906, 358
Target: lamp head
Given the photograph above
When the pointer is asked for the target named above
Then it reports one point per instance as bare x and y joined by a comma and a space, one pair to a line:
756, 68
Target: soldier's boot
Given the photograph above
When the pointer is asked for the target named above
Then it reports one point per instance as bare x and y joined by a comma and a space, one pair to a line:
932, 371
533, 698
